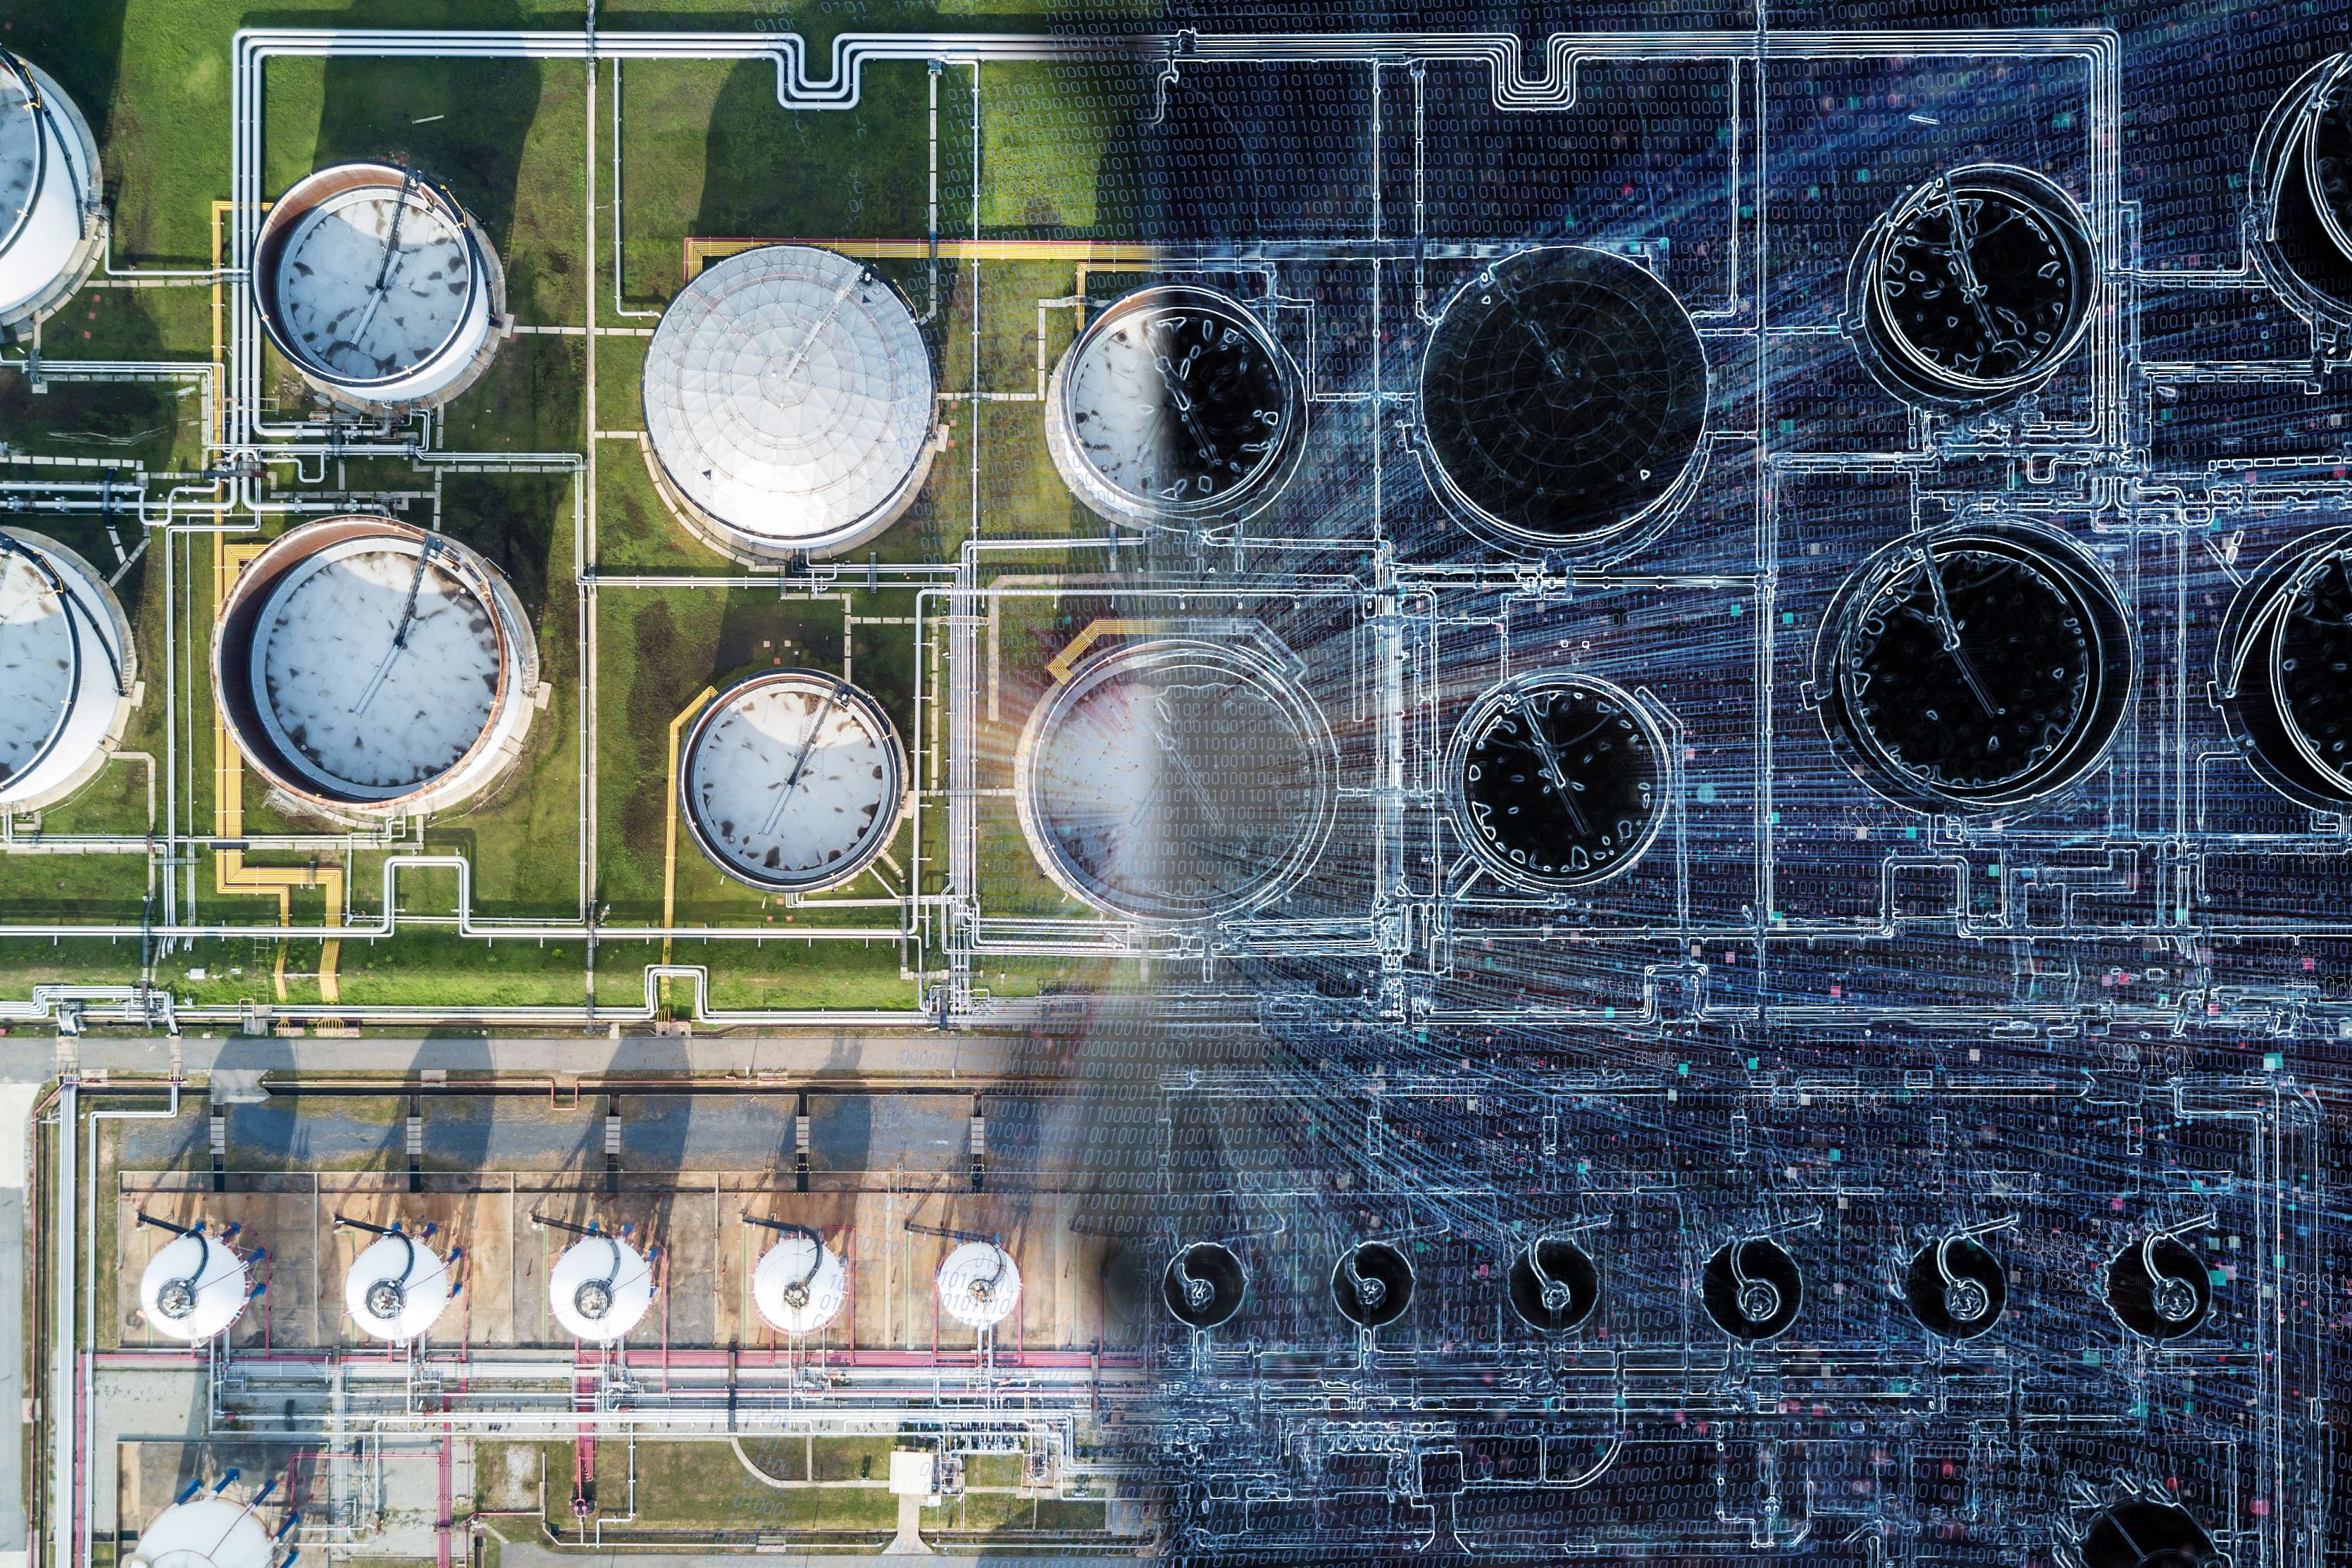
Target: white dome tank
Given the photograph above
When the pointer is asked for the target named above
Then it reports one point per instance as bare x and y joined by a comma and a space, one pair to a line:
397, 1288
792, 781
205, 1532
194, 1287
799, 1285
380, 288
370, 668
67, 670
600, 1287
979, 1285
50, 235
788, 401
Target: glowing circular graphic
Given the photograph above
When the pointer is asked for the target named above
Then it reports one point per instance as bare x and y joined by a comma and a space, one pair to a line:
1956, 1286
1976, 668
2300, 179
1752, 1289
1373, 1284
1176, 405
1204, 1285
1176, 780
2284, 669
1558, 780
1977, 286
2158, 1287
1554, 1285
1565, 398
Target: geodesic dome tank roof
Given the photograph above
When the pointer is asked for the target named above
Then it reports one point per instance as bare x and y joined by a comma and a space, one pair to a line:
788, 398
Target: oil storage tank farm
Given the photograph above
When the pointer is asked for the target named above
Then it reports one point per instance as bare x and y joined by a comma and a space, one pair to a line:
792, 781
788, 404
379, 288
367, 669
67, 677
51, 232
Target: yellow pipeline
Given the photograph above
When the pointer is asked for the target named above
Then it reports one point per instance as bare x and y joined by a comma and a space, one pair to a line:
670, 853
231, 874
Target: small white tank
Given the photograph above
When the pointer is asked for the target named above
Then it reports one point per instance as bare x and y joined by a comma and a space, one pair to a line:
194, 1287
799, 1285
68, 671
979, 1285
397, 1288
50, 232
600, 1288
205, 1532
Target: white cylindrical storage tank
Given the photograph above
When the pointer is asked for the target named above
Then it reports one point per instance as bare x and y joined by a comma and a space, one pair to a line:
788, 401
799, 1285
194, 1287
381, 290
50, 232
600, 1288
205, 1532
68, 671
369, 668
397, 1288
792, 781
979, 1285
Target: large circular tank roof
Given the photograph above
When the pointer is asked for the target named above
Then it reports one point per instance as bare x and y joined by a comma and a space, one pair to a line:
371, 666
2284, 669
1565, 395
1976, 667
1177, 779
2301, 181
600, 1288
48, 191
1176, 405
799, 1285
792, 780
788, 398
193, 1288
397, 1288
206, 1531
979, 1285
1975, 287
377, 284
65, 670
